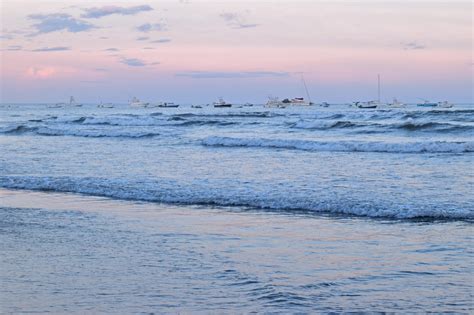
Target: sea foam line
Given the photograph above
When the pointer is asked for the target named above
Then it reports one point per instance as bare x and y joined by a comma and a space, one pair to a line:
172, 192
343, 146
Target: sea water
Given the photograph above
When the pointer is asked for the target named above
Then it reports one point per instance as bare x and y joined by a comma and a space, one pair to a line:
347, 201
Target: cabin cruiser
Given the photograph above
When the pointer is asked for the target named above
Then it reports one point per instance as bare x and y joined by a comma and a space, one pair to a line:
396, 104
445, 104
274, 102
221, 103
135, 102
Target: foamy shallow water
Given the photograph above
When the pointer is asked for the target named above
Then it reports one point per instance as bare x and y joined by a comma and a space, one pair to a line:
64, 253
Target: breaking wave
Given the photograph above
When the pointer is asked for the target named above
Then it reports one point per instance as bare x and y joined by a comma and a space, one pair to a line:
344, 146
45, 131
172, 192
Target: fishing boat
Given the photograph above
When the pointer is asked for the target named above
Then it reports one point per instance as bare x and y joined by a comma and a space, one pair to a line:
135, 102
221, 103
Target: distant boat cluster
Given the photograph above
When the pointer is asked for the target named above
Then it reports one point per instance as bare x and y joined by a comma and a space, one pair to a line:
273, 102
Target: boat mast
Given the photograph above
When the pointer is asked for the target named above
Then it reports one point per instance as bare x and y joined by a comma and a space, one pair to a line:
378, 88
306, 89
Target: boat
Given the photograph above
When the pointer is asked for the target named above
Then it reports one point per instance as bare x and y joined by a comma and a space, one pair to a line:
297, 101
105, 105
274, 102
366, 105
248, 105
324, 104
221, 103
396, 104
57, 105
371, 104
167, 104
445, 104
72, 102
427, 103
196, 106
135, 102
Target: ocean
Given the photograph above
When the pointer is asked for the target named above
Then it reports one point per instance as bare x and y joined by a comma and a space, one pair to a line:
237, 209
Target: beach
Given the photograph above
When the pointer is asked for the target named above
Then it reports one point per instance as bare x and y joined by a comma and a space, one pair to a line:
69, 253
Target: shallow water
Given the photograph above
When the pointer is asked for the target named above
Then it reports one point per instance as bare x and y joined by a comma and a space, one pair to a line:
65, 253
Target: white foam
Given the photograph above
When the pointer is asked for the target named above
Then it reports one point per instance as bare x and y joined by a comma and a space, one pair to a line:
167, 191
345, 146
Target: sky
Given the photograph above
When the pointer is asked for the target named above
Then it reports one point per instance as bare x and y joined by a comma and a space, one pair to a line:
193, 51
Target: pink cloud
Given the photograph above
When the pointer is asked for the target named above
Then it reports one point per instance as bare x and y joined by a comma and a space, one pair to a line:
40, 72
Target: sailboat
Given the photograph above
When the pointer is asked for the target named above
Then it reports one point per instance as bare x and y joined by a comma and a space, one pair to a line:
296, 101
371, 104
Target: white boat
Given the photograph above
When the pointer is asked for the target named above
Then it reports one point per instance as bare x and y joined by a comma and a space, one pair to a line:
72, 102
396, 104
297, 101
196, 106
445, 104
324, 104
274, 102
221, 103
105, 105
135, 102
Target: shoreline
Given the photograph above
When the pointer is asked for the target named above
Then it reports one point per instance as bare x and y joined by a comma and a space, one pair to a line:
74, 253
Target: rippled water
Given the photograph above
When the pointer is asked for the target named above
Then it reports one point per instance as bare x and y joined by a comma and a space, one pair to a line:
128, 257
241, 209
